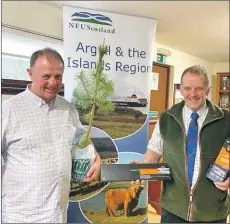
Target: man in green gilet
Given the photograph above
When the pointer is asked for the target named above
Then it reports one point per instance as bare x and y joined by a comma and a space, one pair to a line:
198, 200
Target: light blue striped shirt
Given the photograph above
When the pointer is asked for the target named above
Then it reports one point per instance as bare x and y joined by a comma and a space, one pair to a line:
37, 140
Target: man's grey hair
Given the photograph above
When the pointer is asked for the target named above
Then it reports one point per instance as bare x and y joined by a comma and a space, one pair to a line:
197, 69
48, 52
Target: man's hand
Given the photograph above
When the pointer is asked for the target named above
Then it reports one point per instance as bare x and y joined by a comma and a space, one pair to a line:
136, 181
149, 157
224, 186
94, 169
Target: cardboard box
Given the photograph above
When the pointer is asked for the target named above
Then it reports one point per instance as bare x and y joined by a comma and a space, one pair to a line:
129, 172
219, 171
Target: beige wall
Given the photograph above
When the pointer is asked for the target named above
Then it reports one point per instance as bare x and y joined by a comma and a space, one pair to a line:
27, 15
181, 60
221, 67
33, 15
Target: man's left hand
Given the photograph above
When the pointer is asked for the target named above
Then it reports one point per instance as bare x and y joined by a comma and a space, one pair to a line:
224, 186
94, 169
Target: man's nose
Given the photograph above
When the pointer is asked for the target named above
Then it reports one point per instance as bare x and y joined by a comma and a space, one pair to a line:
52, 82
193, 92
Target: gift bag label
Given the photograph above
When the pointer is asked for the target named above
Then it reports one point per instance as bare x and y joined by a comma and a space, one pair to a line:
82, 160
80, 168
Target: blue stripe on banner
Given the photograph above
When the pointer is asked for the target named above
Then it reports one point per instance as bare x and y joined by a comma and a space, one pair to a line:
74, 213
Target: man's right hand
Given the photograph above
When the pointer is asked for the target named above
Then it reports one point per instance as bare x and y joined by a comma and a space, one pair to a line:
136, 181
149, 157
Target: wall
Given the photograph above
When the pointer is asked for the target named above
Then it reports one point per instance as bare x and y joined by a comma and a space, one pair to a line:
221, 67
181, 61
33, 15
20, 44
53, 15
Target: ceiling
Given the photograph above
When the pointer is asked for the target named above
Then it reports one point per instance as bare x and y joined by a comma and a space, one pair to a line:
199, 28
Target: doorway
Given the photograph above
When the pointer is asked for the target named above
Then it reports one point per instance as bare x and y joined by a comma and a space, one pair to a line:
159, 101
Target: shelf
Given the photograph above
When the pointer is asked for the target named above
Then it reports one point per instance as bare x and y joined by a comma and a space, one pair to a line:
152, 121
224, 91
13, 87
223, 96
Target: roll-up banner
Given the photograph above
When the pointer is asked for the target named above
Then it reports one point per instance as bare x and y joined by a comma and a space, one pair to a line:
120, 124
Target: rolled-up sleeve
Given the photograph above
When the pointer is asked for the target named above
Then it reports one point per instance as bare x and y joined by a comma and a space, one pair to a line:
156, 141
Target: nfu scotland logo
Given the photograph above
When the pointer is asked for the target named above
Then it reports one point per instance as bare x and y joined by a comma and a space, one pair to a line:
92, 18
91, 22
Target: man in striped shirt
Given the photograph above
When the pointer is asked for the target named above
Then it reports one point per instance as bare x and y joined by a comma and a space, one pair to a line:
38, 131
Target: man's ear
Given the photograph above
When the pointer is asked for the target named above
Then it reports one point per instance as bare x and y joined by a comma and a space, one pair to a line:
181, 90
29, 71
208, 90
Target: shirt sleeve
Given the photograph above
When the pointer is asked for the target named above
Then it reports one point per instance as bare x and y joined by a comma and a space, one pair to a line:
5, 126
156, 141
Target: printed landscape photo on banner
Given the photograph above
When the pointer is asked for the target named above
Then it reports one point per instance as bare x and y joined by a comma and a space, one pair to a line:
108, 152
121, 108
118, 202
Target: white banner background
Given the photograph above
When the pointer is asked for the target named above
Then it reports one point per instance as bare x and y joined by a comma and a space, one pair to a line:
126, 34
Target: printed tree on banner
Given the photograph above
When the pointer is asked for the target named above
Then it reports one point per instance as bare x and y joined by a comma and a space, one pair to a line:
93, 91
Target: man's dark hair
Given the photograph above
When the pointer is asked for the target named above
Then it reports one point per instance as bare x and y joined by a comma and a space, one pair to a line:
197, 69
48, 52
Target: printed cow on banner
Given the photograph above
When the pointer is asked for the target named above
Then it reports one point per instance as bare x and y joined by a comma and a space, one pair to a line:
127, 199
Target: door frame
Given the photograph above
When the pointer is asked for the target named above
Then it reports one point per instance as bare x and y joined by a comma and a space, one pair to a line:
156, 185
169, 73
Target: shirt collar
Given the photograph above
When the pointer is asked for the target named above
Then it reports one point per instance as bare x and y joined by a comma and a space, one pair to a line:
38, 101
200, 112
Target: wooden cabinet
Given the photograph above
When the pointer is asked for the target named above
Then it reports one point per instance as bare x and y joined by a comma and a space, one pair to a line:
223, 90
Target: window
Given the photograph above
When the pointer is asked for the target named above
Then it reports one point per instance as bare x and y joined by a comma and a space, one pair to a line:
14, 67
17, 47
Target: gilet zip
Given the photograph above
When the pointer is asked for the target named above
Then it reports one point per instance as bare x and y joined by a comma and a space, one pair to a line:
191, 192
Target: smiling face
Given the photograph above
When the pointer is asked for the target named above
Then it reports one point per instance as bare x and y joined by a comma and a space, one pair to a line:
194, 89
46, 76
